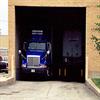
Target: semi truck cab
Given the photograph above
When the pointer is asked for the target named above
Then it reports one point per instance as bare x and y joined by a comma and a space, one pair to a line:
36, 55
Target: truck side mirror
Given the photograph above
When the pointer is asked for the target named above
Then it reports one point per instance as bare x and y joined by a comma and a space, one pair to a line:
24, 46
49, 46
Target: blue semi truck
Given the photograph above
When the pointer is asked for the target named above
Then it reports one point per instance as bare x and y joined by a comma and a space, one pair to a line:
36, 54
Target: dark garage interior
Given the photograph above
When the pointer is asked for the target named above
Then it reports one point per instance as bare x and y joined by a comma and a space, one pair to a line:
65, 28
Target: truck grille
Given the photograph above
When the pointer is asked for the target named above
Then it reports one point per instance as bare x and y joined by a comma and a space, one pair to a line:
33, 60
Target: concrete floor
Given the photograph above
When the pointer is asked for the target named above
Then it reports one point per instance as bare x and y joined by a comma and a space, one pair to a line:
47, 90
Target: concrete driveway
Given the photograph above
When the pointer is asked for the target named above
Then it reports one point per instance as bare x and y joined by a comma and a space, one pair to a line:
47, 90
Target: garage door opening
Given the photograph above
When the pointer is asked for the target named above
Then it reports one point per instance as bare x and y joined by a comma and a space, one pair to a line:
64, 28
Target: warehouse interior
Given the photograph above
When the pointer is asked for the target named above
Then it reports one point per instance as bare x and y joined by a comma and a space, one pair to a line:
65, 28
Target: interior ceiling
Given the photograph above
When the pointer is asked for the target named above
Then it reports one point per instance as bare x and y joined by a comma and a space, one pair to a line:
49, 15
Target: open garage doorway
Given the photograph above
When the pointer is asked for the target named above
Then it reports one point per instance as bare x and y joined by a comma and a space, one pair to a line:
65, 30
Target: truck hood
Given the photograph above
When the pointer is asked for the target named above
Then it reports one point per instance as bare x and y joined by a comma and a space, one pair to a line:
35, 52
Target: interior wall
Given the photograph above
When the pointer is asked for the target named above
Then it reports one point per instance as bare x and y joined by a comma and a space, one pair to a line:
17, 60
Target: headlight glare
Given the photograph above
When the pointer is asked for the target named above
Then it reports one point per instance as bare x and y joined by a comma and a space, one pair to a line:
23, 65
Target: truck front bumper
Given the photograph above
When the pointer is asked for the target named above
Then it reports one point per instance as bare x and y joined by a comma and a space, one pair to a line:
35, 70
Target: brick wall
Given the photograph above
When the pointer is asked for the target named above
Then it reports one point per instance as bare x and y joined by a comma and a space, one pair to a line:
93, 58
3, 41
4, 47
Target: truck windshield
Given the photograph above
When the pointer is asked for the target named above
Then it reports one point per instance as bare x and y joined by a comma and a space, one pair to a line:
37, 46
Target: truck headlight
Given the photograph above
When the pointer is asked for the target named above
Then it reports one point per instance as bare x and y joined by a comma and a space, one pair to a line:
23, 65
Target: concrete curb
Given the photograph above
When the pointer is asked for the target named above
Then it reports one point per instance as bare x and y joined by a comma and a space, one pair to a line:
7, 81
93, 87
